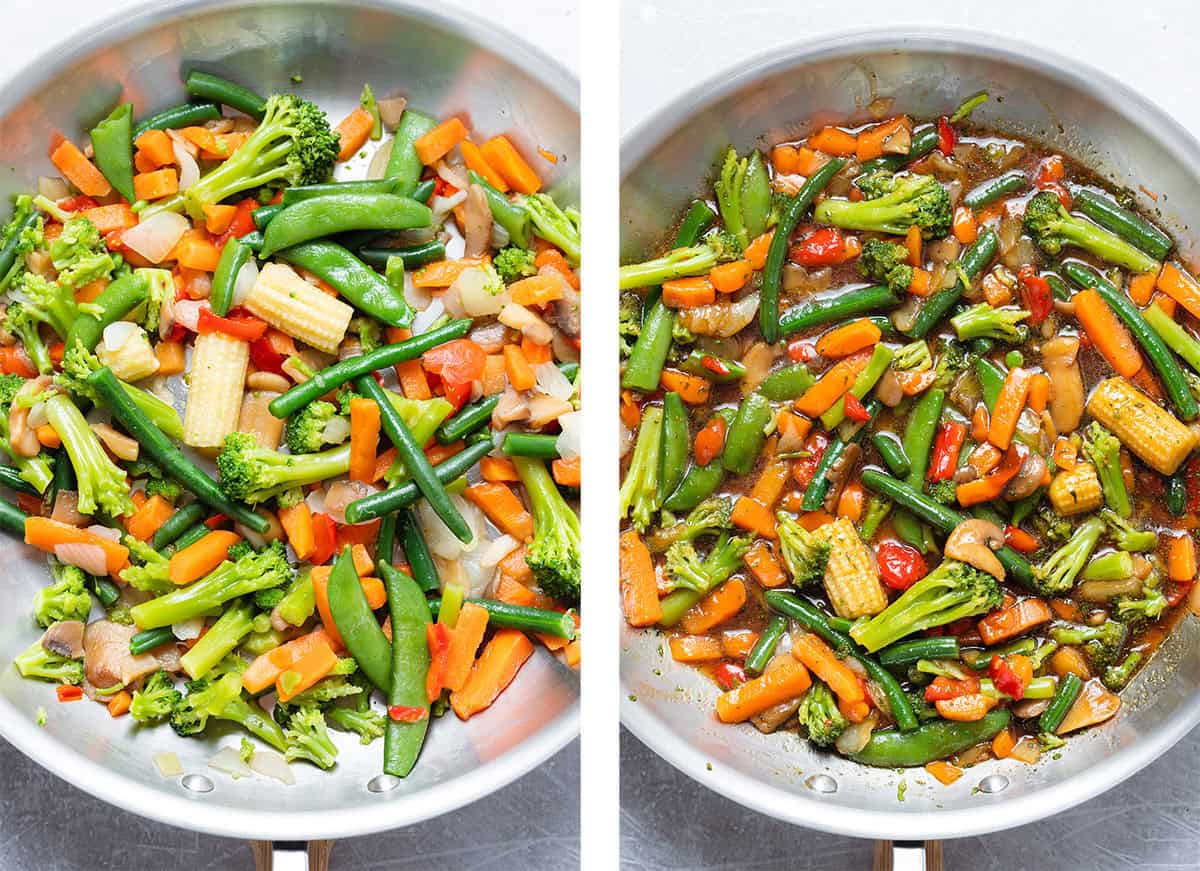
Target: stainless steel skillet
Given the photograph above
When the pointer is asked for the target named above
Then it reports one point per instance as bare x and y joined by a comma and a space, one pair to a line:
445, 63
1035, 93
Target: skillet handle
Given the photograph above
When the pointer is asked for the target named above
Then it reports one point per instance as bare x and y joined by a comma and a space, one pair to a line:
291, 855
908, 856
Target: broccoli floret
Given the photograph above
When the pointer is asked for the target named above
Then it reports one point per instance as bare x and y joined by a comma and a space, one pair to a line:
38, 662
1102, 644
717, 247
65, 599
48, 301
558, 226
266, 600
1051, 526
953, 358
31, 236
80, 255
1056, 575
1149, 606
101, 483
257, 571
221, 697
369, 332
886, 263
819, 714
1052, 227
239, 549
292, 145
156, 482
164, 487
639, 490
805, 555
685, 569
630, 326
680, 334
299, 602
893, 204
554, 553
79, 363
368, 725
304, 432
1112, 566
981, 321
254, 474
742, 189
161, 286
338, 686
1104, 450
1117, 676
913, 356
708, 518
945, 492
152, 575
1126, 536
513, 263
156, 699
950, 592
308, 738
23, 322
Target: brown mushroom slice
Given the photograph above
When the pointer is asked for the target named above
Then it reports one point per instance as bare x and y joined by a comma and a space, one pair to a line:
1060, 360
974, 542
774, 717
1028, 478
106, 657
1094, 705
64, 638
477, 215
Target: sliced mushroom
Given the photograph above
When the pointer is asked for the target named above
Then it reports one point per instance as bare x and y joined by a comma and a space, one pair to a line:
1060, 360
776, 715
477, 216
106, 657
64, 638
974, 542
838, 473
565, 312
888, 390
1094, 705
1029, 477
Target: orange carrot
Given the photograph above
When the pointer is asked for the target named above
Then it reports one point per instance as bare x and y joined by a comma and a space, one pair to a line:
1065, 453
567, 473
845, 340
764, 565
475, 160
436, 144
520, 373
786, 681
752, 515
536, 290
465, 639
536, 352
437, 454
785, 158
119, 704
320, 579
1107, 333
201, 557
144, 522
1141, 287
1181, 558
443, 273
965, 709
730, 277
499, 663
1164, 302
265, 668
913, 242
45, 534
913, 382
821, 661
196, 250
503, 508
920, 283
1008, 407
1181, 287
78, 170
353, 131
808, 161
639, 587
413, 383
964, 226
756, 251
771, 482
943, 772
218, 217
831, 140
498, 469
1005, 623
14, 361
297, 525
157, 184
737, 643
715, 608
832, 385
506, 160
115, 216
170, 357
315, 664
692, 389
688, 292
870, 142
155, 145
48, 437
695, 648
851, 501
512, 591
364, 438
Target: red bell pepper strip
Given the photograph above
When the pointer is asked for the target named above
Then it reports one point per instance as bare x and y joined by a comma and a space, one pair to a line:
947, 445
826, 247
1036, 295
1020, 540
244, 327
900, 566
324, 539
714, 365
947, 138
806, 467
943, 688
728, 675
800, 351
242, 223
69, 693
407, 713
264, 356
1005, 679
854, 409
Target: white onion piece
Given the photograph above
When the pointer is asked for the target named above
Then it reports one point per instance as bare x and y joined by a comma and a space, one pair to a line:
341, 494
104, 532
186, 630
425, 319
167, 764
440, 539
855, 736
543, 409
89, 557
229, 761
552, 382
66, 509
456, 245
37, 416
155, 236
570, 440
500, 237
53, 188
1027, 750
187, 313
117, 334
336, 431
246, 277
379, 160
316, 501
496, 550
418, 297
189, 170
268, 763
442, 206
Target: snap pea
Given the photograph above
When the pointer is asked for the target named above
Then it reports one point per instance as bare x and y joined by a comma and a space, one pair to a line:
209, 87
253, 241
263, 214
755, 196
1174, 381
112, 149
303, 192
184, 115
973, 261
892, 452
525, 444
924, 140
935, 740
339, 213
1069, 688
790, 382
416, 551
919, 431
1177, 493
409, 667
747, 434
509, 215
829, 308
694, 363
356, 623
177, 524
676, 441
772, 275
908, 652
118, 299
468, 419
995, 188
560, 624
332, 377
12, 519
991, 380
700, 482
234, 256
10, 477
414, 255
818, 486
911, 530
148, 639
403, 163
357, 283
1130, 226
981, 659
764, 647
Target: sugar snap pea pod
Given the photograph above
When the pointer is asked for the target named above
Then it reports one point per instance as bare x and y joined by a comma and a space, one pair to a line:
717, 369
919, 432
908, 652
772, 276
818, 487
413, 255
264, 214
892, 452
253, 241
991, 381
403, 163
844, 305
973, 261
332, 377
416, 551
764, 647
937, 739
676, 442
1068, 690
468, 419
209, 87
502, 615
924, 140
112, 147
234, 256
409, 613
177, 524
357, 283
340, 213
509, 215
357, 624
756, 196
183, 115
790, 382
1130, 226
700, 482
747, 434
114, 302
303, 192
994, 188
10, 477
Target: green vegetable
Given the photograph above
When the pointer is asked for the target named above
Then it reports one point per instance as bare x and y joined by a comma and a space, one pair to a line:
156, 699
881, 358
827, 309
924, 140
513, 217
981, 321
502, 615
747, 434
1053, 227
909, 652
403, 495
1150, 605
892, 452
1117, 676
639, 496
36, 471
554, 554
676, 443
1102, 644
892, 204
744, 195
234, 256
1069, 687
117, 300
790, 382
254, 474
209, 87
886, 263
38, 662
66, 598
314, 219
971, 264
805, 555
149, 639
1128, 225
403, 163
819, 715
222, 637
764, 647
513, 264
410, 663
993, 189
1126, 536
818, 486
20, 236
1104, 450
100, 482
112, 147
1056, 575
708, 518
967, 106
691, 578
184, 115
412, 255
308, 738
525, 444
177, 524
681, 262
934, 740
299, 602
357, 624
368, 724
557, 226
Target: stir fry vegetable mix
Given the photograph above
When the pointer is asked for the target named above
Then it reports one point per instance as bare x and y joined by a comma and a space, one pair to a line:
909, 419
385, 371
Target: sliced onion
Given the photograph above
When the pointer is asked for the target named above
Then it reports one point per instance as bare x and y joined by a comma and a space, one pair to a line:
418, 297
268, 763
104, 532
440, 539
38, 416
187, 313
167, 764
336, 431
246, 277
53, 188
391, 110
453, 173
1027, 750
166, 316
117, 334
341, 494
155, 236
500, 237
855, 736
66, 509
426, 319
377, 168
316, 501
543, 409
570, 440
552, 382
229, 761
186, 630
456, 245
442, 206
496, 550
625, 443
89, 557
189, 170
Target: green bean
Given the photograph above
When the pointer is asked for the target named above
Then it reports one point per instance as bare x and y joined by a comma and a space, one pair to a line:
112, 148
263, 214
416, 551
1175, 336
185, 115
934, 740
525, 444
892, 452
191, 536
1177, 492
403, 163
1069, 687
764, 647
118, 299
981, 659
385, 542
356, 623
468, 419
12, 519
924, 140
818, 486
995, 188
676, 441
991, 380
409, 667
790, 382
361, 286
908, 652
839, 624
148, 639
846, 304
234, 256
106, 591
209, 87
1130, 226
973, 261
502, 615
10, 477
338, 213
413, 255
332, 377
747, 434
177, 524
8, 253
772, 275
509, 215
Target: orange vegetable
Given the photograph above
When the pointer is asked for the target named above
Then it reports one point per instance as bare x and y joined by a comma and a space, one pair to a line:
438, 142
513, 592
492, 672
144, 522
771, 482
413, 383
820, 659
498, 469
786, 681
870, 142
1181, 287
465, 639
639, 587
943, 772
831, 140
715, 608
170, 357
119, 704
845, 340
320, 579
921, 282
443, 273
506, 160
967, 708
756, 251
520, 373
688, 292
14, 361
709, 441
1181, 558
44, 534
1039, 392
265, 668
196, 250
692, 389
536, 290
157, 184
364, 438
731, 277
1107, 333
475, 160
218, 217
764, 565
914, 243
832, 385
785, 158
353, 131
1065, 453
78, 170
695, 648
752, 515
567, 473
47, 437
535, 352
1003, 744
913, 381
297, 525
737, 643
115, 216
964, 226
201, 557
851, 501
1008, 407
437, 454
313, 665
155, 147
1005, 623
503, 508
1141, 287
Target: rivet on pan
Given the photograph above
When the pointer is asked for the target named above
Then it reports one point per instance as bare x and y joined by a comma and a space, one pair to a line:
197, 783
822, 783
993, 783
382, 783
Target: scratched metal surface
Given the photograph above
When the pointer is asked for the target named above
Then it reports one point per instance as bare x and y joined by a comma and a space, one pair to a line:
48, 825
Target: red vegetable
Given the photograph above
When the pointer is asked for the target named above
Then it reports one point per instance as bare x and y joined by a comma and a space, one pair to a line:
437, 636
457, 363
855, 410
947, 445
69, 693
943, 688
264, 356
239, 326
1005, 679
729, 675
799, 351
825, 247
806, 467
242, 223
900, 566
947, 138
77, 203
407, 713
324, 539
1036, 295
1019, 540
714, 365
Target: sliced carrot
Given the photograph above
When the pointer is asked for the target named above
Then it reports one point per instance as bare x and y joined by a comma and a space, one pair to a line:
833, 140
196, 250
966, 708
756, 251
170, 357
1005, 623
1003, 744
320, 580
115, 216
764, 565
364, 438
1181, 558
692, 389
498, 469
201, 557
849, 338
475, 161
785, 159
437, 454
506, 160
688, 292
78, 170
297, 524
1065, 454
752, 515
914, 381
851, 501
512, 591
155, 145
771, 483
465, 639
730, 277
48, 437
520, 373
144, 522
964, 227
119, 704
218, 217
943, 772
820, 659
567, 473
695, 648
443, 273
266, 667
914, 243
503, 508
1107, 333
499, 663
1039, 392
157, 184
920, 285
315, 664
45, 534
1141, 287
436, 144
536, 352
353, 131
788, 680
869, 143
832, 385
413, 382
1009, 404
714, 609
639, 587
536, 290
1181, 287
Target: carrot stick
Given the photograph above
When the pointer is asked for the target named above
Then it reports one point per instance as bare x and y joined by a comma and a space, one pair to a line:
688, 292
48, 437
832, 386
536, 290
353, 131
492, 672
78, 170
436, 144
119, 704
374, 591
115, 216
771, 483
715, 608
1141, 287
144, 522
265, 669
756, 251
821, 661
730, 277
639, 587
155, 145
520, 373
914, 243
297, 524
198, 559
845, 340
945, 773
1008, 408
831, 140
44, 534
512, 591
413, 383
475, 160
964, 226
311, 667
170, 357
786, 681
1005, 623
1107, 333
364, 438
752, 515
506, 160
320, 580
1181, 558
498, 469
503, 508
692, 389
870, 142
515, 566
567, 473
443, 273
695, 648
913, 382
465, 639
850, 502
764, 565
157, 184
1181, 287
